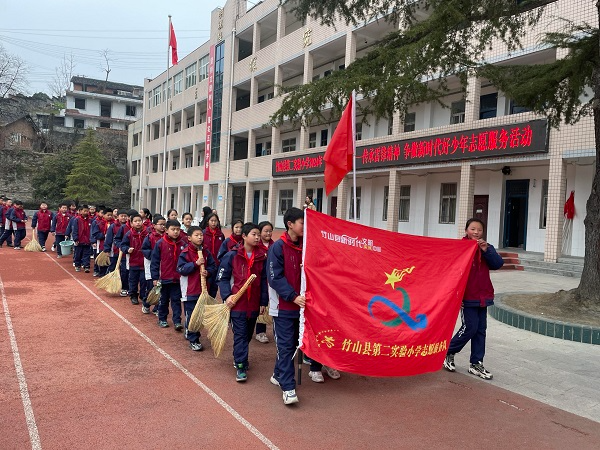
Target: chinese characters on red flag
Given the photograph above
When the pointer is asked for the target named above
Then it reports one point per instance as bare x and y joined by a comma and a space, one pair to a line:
380, 303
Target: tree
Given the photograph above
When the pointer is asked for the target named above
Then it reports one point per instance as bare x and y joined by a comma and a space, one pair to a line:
50, 182
91, 178
439, 39
61, 81
13, 73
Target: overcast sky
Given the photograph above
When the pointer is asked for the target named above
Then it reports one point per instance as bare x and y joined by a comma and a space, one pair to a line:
134, 32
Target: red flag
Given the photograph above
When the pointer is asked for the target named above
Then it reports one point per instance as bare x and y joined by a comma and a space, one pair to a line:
380, 303
173, 45
569, 208
339, 157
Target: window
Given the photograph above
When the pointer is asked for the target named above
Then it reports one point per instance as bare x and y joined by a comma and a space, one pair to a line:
457, 112
154, 164
488, 105
189, 160
326, 73
136, 139
404, 201
390, 126
190, 76
359, 130
544, 204
286, 200
265, 202
79, 123
263, 149
270, 95
130, 110
175, 163
178, 86
448, 203
357, 203
203, 63
80, 103
312, 140
324, 136
516, 109
134, 168
261, 98
288, 145
104, 125
410, 120
156, 96
386, 195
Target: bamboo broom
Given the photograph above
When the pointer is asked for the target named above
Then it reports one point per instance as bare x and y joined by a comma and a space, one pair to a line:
111, 282
216, 319
102, 260
154, 295
204, 299
33, 245
265, 318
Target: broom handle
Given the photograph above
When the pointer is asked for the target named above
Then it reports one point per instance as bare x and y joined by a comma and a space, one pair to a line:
119, 260
242, 291
202, 277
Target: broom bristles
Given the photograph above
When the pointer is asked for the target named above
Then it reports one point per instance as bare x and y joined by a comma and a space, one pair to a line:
111, 282
196, 318
103, 259
154, 295
265, 318
33, 245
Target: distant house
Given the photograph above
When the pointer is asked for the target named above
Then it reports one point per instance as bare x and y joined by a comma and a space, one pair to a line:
19, 133
102, 104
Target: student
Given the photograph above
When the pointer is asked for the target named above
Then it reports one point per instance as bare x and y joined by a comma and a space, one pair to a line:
59, 227
100, 226
147, 218
236, 267
163, 268
213, 239
132, 247
206, 211
191, 287
5, 205
479, 294
148, 245
7, 231
120, 234
42, 221
266, 232
186, 222
172, 214
308, 203
111, 246
232, 241
16, 215
92, 212
73, 209
284, 261
82, 235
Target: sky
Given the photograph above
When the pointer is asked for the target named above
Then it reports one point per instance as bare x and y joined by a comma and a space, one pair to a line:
42, 32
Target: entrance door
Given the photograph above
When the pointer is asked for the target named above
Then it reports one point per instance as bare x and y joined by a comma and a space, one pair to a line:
238, 203
333, 206
319, 200
255, 206
480, 209
515, 213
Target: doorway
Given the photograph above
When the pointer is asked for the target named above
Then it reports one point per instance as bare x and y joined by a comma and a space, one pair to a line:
515, 214
480, 210
255, 206
333, 206
238, 203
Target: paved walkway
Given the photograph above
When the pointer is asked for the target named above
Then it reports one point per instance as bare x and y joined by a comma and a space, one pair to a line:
560, 373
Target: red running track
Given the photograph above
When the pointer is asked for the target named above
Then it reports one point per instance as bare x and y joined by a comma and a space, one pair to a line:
100, 374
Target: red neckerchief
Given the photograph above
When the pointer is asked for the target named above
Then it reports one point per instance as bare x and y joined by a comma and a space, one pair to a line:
139, 235
288, 240
249, 262
214, 234
174, 245
236, 238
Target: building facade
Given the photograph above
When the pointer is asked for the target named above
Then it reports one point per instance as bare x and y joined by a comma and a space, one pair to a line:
203, 141
102, 104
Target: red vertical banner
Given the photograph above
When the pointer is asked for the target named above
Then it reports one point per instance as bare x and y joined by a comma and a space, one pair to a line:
380, 303
209, 111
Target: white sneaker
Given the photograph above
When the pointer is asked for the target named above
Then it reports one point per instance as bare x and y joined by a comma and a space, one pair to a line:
145, 310
274, 380
290, 397
262, 337
331, 372
317, 376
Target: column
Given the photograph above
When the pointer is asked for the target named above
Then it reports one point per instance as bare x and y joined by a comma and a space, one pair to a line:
280, 22
195, 155
472, 100
465, 196
277, 79
275, 140
251, 144
179, 202
249, 206
350, 48
557, 184
181, 158
253, 90
393, 205
301, 193
193, 208
342, 199
303, 140
256, 38
272, 200
308, 67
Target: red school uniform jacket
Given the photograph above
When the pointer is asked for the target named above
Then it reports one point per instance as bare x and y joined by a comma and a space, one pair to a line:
134, 239
213, 239
164, 258
42, 220
61, 221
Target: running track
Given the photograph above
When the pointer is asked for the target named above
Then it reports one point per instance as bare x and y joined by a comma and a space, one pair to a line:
82, 369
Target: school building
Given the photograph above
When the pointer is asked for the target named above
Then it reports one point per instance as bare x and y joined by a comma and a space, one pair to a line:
204, 141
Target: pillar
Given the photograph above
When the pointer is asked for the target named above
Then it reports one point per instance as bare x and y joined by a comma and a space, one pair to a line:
472, 100
393, 206
465, 196
557, 184
272, 200
342, 201
249, 205
301, 192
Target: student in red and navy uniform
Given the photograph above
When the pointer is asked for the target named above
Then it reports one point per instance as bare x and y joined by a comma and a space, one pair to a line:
266, 231
163, 268
73, 209
16, 215
232, 241
155, 235
99, 229
59, 227
213, 239
236, 267
42, 221
191, 287
7, 231
82, 235
132, 247
112, 248
123, 270
147, 218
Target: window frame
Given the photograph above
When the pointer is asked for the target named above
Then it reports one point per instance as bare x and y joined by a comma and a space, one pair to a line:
288, 199
410, 122
448, 203
190, 75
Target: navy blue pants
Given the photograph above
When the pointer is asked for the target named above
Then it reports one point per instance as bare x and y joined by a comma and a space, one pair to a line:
188, 308
286, 332
243, 330
6, 236
42, 237
261, 328
82, 255
100, 270
137, 278
19, 236
170, 292
474, 325
57, 240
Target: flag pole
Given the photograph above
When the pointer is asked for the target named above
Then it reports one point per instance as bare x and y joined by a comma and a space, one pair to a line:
354, 152
166, 100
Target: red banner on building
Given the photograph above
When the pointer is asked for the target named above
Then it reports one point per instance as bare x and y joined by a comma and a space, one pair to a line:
209, 112
380, 303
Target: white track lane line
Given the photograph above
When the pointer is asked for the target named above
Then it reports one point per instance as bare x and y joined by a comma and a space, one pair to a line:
237, 416
34, 436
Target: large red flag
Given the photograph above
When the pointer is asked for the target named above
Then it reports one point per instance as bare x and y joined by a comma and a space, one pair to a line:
173, 45
339, 157
380, 303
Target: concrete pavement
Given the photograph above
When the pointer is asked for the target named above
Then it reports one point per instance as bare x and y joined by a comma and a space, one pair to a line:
560, 373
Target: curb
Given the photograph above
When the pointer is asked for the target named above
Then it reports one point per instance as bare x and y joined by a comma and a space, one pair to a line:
547, 327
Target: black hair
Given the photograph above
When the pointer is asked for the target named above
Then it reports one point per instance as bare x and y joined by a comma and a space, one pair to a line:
264, 224
82, 207
248, 227
101, 208
18, 203
157, 218
147, 213
133, 216
291, 215
172, 223
193, 228
121, 211
61, 204
210, 216
236, 221
132, 212
170, 211
186, 214
474, 219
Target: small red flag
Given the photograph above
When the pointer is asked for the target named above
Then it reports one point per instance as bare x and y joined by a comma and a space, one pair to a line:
339, 157
569, 208
173, 45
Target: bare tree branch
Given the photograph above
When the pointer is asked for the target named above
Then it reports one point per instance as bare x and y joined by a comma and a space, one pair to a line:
13, 73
